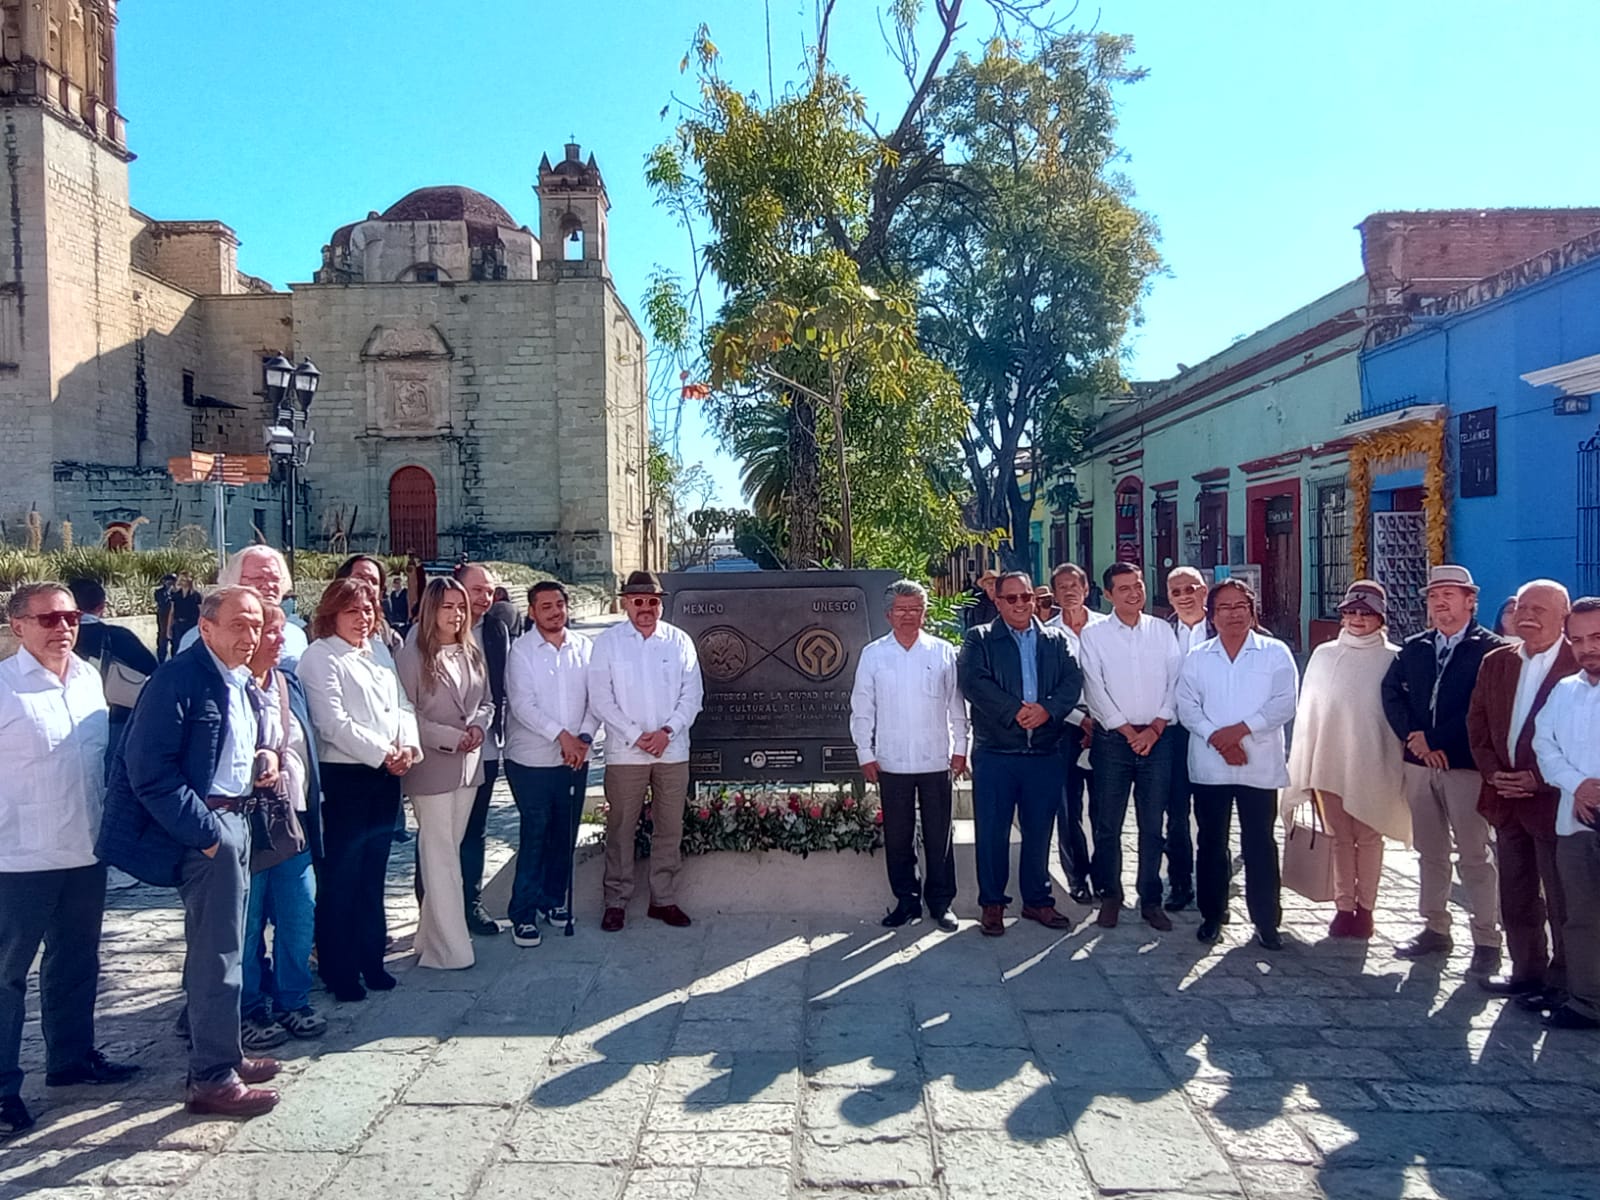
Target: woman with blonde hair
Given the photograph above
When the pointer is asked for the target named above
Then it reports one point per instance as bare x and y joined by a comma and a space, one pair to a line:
1346, 759
445, 676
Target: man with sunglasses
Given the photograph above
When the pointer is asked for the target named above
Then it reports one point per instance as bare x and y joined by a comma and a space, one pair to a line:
1186, 592
53, 730
645, 686
1021, 682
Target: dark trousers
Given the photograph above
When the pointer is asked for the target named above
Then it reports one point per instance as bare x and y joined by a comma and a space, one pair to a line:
549, 807
1179, 845
1578, 859
1531, 892
472, 848
1026, 788
1213, 814
61, 909
1117, 769
358, 808
215, 890
903, 796
1072, 847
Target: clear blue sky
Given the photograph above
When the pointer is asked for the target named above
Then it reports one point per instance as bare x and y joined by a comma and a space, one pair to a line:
1263, 135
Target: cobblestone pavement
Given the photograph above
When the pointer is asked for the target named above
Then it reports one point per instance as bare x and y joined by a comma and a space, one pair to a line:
754, 1057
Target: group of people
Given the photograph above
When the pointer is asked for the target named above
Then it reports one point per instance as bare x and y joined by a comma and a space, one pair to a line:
259, 772
1471, 746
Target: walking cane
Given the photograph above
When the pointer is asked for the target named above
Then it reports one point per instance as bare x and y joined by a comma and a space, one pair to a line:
572, 851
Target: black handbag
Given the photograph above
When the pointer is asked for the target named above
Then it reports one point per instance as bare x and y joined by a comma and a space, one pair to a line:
276, 834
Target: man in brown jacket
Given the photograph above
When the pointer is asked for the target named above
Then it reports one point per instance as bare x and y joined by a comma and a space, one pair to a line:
1513, 685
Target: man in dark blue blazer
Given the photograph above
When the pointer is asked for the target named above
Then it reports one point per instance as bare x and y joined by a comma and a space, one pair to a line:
175, 816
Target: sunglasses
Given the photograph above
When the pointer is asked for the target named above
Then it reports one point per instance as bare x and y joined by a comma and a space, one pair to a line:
55, 620
1018, 598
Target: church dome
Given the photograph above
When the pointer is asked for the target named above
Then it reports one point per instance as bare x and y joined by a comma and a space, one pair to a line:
449, 204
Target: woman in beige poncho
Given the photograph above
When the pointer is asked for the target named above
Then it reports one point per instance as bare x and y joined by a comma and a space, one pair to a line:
1345, 753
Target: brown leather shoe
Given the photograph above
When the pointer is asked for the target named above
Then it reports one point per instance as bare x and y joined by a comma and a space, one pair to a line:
1155, 917
1047, 916
231, 1099
670, 913
257, 1070
613, 919
993, 921
1110, 910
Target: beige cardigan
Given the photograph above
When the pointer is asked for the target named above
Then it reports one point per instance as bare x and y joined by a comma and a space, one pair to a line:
444, 712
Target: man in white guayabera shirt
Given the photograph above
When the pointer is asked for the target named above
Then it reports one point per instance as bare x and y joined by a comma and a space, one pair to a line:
1566, 742
909, 724
53, 727
644, 685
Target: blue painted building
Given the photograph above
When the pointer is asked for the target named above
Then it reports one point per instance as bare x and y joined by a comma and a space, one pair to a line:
1503, 373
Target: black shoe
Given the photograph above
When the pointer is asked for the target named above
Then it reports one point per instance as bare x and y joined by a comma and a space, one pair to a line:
480, 922
902, 914
1179, 900
402, 836
95, 1068
1510, 985
14, 1116
1425, 943
1485, 960
1079, 893
526, 934
346, 992
1542, 1001
1270, 939
379, 980
1209, 932
1567, 1017
945, 922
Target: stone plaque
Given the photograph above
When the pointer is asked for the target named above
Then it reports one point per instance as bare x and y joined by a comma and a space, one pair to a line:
778, 653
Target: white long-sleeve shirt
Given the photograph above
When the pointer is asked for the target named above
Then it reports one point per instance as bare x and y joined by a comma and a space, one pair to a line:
52, 764
547, 694
639, 684
358, 708
1259, 687
906, 711
1129, 671
1566, 741
1075, 639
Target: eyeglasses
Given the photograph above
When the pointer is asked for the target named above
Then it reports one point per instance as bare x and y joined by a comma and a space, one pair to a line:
645, 601
1186, 589
55, 620
1242, 607
1016, 598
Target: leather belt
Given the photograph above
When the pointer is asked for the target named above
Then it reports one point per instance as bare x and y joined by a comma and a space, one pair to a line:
231, 804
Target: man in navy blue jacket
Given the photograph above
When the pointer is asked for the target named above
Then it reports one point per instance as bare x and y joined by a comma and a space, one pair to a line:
175, 816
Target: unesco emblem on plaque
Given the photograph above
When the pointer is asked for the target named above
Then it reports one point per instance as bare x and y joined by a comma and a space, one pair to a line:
819, 653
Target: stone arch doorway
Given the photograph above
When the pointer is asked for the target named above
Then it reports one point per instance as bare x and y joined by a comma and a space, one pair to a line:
413, 513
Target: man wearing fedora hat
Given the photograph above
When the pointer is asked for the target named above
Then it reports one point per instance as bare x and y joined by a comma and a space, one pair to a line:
644, 684
1426, 696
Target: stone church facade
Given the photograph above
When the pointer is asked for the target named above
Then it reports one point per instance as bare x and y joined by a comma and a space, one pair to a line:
482, 386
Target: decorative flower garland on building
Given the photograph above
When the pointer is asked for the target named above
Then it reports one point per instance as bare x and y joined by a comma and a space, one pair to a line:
1425, 439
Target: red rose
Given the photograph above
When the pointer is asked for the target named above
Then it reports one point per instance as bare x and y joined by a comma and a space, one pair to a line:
794, 803
704, 814
816, 812
849, 803
761, 810
877, 817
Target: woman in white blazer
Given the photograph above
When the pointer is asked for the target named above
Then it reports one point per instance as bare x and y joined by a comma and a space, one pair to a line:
444, 674
367, 740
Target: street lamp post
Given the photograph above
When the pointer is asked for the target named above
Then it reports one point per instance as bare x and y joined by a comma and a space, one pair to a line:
290, 390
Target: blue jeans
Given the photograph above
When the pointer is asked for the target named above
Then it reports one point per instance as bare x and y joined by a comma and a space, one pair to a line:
286, 895
1028, 788
549, 806
1116, 769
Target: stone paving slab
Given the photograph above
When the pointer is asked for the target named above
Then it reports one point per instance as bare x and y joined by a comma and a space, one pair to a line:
823, 1057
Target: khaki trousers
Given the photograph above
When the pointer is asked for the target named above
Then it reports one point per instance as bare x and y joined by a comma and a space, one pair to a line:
1578, 860
1445, 818
1357, 856
625, 786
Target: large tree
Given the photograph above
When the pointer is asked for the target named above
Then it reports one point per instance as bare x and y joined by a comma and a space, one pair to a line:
1030, 255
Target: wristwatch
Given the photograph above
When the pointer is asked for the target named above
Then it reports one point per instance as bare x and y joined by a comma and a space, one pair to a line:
667, 729
586, 738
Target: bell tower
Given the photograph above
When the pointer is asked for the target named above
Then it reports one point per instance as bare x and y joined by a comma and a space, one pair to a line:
572, 217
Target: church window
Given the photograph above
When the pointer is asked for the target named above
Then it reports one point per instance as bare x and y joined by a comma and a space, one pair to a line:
188, 388
425, 274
